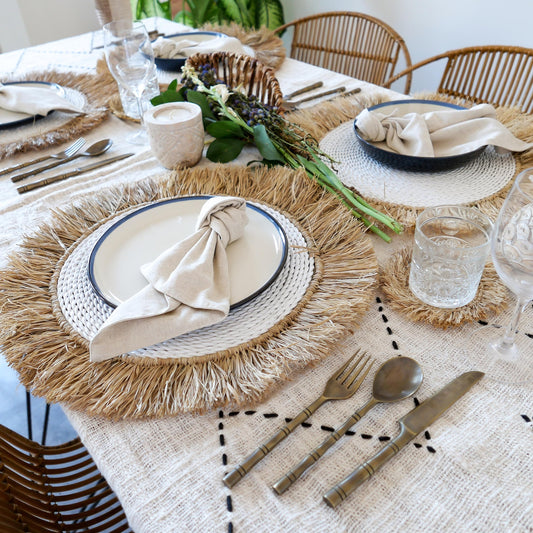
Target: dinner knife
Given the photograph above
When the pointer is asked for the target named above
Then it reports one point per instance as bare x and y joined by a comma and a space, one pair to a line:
75, 172
411, 425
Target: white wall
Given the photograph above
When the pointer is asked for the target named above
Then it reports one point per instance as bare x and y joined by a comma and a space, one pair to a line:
29, 22
430, 27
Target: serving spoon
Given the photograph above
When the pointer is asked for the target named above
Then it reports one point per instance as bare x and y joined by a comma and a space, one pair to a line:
95, 149
396, 379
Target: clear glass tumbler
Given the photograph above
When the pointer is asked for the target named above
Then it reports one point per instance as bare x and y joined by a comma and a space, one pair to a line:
451, 246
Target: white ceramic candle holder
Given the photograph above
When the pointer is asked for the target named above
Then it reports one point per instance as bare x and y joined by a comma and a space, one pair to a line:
176, 133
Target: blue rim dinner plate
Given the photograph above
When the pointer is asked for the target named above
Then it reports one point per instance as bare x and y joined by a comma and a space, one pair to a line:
10, 119
255, 260
176, 63
414, 163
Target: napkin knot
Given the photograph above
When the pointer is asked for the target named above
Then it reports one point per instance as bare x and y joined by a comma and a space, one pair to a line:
226, 217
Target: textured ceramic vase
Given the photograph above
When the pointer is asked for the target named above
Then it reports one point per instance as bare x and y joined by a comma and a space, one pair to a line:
176, 133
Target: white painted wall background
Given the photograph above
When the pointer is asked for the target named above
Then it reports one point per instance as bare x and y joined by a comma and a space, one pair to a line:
427, 26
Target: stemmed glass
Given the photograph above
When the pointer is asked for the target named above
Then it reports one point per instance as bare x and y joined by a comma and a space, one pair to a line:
130, 59
507, 353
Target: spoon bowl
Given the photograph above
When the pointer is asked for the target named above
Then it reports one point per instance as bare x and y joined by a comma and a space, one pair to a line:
95, 149
397, 379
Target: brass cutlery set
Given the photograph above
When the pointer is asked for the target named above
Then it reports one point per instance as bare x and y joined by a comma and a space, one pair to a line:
397, 379
69, 154
289, 104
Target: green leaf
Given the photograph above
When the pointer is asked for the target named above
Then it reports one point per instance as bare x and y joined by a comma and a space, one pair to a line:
236, 11
170, 95
200, 99
264, 144
269, 14
225, 150
225, 129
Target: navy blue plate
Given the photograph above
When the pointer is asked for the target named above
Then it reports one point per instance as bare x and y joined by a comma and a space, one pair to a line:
176, 64
7, 122
408, 162
118, 259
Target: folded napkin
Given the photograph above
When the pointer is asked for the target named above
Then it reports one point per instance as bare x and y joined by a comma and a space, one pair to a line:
188, 286
171, 49
34, 100
438, 133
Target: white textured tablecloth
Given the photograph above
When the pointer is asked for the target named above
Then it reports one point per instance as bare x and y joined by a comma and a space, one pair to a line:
471, 471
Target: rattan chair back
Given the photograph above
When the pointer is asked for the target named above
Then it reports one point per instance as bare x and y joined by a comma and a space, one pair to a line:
351, 43
53, 489
234, 70
498, 75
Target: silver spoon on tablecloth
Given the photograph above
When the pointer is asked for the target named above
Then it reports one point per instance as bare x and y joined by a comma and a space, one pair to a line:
396, 379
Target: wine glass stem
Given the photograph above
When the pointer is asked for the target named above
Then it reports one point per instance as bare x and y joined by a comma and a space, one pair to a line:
510, 331
140, 109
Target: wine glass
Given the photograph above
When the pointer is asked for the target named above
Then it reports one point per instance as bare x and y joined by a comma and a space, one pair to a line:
130, 59
506, 352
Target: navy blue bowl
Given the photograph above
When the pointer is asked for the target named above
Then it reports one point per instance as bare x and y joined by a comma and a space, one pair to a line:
414, 163
174, 65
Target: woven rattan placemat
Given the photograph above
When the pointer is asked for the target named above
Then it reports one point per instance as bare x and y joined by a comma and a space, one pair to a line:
52, 358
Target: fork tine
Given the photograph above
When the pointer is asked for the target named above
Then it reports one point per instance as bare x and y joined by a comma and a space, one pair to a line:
365, 368
75, 146
341, 370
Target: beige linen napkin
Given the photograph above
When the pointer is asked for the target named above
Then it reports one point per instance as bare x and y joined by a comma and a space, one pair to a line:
438, 133
170, 49
188, 286
34, 100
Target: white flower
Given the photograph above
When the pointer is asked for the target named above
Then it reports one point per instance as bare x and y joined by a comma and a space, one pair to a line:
222, 91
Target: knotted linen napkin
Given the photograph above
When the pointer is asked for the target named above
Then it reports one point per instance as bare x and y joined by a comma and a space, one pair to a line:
188, 286
34, 100
438, 133
171, 49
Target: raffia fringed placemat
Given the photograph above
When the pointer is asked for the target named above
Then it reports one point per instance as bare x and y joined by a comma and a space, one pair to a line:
94, 87
339, 113
52, 360
492, 295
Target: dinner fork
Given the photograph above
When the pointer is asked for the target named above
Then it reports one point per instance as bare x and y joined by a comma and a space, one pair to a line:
340, 386
71, 150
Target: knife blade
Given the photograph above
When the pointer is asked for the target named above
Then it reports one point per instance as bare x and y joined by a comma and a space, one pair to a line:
75, 172
411, 425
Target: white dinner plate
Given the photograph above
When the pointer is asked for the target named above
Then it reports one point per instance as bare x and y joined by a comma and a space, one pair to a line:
13, 118
255, 260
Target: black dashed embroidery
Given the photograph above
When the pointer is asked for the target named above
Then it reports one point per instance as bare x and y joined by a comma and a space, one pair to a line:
417, 445
233, 413
427, 435
224, 459
220, 425
395, 345
526, 418
250, 412
329, 429
389, 331
366, 436
229, 504
383, 438
350, 433
385, 319
270, 415
431, 449
222, 441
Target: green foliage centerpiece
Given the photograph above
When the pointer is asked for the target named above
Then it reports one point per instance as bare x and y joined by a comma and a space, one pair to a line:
235, 119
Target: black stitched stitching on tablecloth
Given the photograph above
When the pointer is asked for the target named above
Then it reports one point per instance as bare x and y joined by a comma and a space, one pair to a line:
222, 440
526, 418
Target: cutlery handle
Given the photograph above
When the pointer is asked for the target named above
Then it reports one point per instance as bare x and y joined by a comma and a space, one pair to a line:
341, 491
24, 165
37, 170
243, 468
45, 181
288, 479
304, 90
320, 95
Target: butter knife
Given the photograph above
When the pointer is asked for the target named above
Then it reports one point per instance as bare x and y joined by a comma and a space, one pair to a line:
75, 172
411, 425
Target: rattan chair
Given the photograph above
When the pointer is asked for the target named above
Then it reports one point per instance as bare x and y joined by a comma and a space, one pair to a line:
351, 43
245, 71
53, 489
498, 75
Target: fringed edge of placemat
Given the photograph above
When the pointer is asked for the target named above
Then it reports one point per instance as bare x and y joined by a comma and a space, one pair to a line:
492, 295
95, 87
325, 117
53, 363
268, 47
